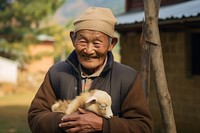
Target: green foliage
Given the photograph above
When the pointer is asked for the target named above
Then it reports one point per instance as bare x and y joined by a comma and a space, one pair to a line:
23, 13
14, 51
62, 41
19, 21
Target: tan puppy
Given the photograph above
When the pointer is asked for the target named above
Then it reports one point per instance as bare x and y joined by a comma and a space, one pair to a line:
96, 101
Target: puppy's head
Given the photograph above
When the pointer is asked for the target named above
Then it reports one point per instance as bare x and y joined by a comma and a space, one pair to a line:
100, 103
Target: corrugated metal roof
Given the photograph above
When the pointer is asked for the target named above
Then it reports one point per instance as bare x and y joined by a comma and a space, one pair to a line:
185, 9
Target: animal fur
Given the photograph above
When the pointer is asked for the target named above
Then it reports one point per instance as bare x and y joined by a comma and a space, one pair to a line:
96, 101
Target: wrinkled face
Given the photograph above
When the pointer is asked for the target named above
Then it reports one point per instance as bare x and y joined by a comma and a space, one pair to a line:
91, 48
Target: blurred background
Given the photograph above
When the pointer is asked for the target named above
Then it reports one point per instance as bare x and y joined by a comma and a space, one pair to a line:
34, 36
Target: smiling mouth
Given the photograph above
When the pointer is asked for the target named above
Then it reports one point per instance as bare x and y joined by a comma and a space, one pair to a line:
89, 57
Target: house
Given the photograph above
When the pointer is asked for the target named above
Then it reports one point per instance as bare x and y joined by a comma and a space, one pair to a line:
179, 25
8, 71
41, 58
42, 54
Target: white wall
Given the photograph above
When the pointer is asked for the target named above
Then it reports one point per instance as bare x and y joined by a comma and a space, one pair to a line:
8, 70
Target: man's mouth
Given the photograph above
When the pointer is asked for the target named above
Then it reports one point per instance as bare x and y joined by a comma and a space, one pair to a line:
86, 57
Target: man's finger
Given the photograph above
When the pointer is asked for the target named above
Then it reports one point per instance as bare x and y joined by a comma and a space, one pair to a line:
68, 124
71, 117
79, 129
82, 110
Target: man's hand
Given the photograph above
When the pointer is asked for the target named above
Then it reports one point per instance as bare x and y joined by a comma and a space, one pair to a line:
81, 121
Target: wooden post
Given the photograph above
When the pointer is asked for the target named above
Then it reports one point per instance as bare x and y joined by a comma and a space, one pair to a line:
151, 9
145, 62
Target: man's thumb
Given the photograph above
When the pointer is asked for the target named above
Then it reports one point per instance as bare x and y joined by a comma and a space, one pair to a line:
81, 110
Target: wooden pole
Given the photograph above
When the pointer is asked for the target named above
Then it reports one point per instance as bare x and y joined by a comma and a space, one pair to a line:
151, 9
145, 62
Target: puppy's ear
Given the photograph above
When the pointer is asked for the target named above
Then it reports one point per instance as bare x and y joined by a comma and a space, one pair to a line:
92, 99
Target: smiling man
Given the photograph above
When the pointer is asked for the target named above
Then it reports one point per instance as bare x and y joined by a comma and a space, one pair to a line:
91, 48
91, 66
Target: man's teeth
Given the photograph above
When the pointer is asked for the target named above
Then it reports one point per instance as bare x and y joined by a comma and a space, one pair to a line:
88, 57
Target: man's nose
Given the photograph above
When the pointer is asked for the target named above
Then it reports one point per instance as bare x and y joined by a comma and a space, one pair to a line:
90, 49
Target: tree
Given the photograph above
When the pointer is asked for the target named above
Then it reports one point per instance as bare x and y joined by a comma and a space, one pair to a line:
151, 46
19, 21
62, 41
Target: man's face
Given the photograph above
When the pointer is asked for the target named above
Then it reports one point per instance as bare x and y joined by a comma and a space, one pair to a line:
91, 48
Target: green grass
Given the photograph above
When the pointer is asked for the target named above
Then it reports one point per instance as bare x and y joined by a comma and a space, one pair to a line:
13, 112
13, 119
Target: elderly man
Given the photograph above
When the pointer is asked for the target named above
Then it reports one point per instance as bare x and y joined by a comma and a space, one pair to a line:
89, 66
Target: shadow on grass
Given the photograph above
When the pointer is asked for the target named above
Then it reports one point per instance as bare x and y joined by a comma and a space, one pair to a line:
13, 119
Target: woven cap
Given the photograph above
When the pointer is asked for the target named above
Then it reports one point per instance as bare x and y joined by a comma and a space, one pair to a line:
96, 18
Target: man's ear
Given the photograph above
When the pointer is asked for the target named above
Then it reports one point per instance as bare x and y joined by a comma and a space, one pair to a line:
72, 36
113, 43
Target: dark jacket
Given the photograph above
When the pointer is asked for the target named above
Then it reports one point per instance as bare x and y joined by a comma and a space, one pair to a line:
63, 81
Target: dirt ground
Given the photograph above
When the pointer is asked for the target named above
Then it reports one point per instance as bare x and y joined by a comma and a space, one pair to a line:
15, 100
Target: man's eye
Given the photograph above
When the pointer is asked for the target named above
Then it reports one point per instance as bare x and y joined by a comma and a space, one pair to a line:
97, 44
82, 41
